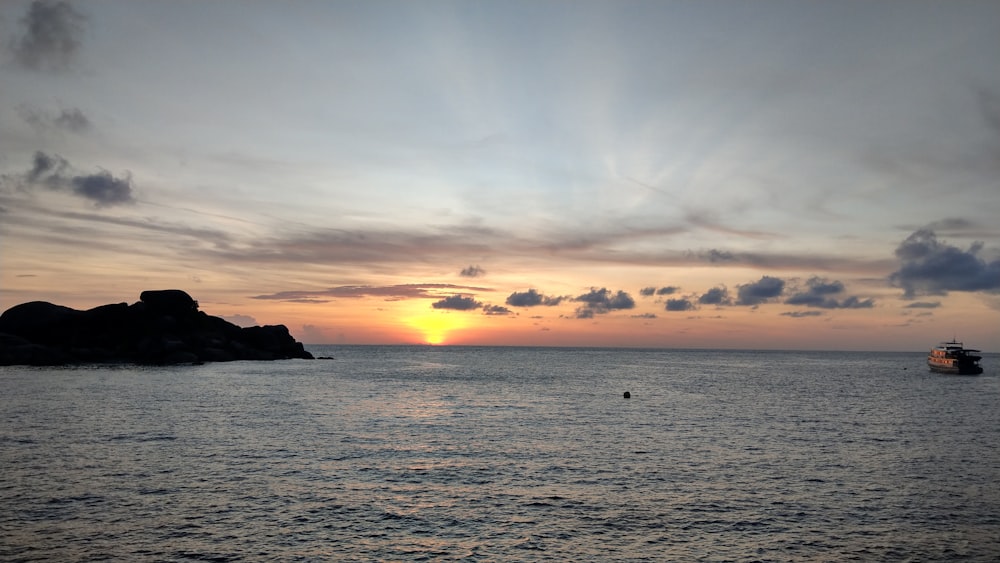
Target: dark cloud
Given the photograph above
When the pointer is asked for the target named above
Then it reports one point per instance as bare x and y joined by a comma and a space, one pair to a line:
457, 303
648, 291
932, 267
760, 291
72, 120
51, 38
679, 305
47, 170
603, 300
715, 296
496, 310
472, 272
923, 305
819, 293
531, 298
101, 188
391, 292
802, 314
855, 302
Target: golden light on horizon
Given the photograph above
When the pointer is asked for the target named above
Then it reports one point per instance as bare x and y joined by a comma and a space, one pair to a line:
435, 326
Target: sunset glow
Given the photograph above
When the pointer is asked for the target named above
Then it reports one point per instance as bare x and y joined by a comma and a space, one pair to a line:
657, 174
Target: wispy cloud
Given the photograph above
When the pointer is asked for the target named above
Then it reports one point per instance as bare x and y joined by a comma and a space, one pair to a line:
496, 310
923, 305
390, 292
72, 120
472, 272
51, 36
802, 314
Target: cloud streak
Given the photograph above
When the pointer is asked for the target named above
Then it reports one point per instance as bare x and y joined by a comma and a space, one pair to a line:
388, 292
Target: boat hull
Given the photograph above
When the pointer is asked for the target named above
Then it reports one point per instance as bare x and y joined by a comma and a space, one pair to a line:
956, 370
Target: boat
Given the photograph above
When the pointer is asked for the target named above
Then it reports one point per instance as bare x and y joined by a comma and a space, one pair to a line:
953, 357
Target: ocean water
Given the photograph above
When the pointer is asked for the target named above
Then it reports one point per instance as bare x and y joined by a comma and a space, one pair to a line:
503, 454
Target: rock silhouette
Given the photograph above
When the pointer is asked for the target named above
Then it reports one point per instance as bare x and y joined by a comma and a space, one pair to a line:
163, 327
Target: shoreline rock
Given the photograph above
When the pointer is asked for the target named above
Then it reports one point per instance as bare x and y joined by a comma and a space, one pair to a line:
164, 327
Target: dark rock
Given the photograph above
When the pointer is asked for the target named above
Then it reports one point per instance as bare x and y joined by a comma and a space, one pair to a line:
169, 300
164, 327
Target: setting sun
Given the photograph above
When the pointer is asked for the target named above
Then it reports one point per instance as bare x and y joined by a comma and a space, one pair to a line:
435, 326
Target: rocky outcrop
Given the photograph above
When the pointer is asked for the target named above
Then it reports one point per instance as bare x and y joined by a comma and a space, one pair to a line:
163, 327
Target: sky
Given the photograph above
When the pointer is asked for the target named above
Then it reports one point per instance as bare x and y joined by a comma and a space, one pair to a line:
683, 174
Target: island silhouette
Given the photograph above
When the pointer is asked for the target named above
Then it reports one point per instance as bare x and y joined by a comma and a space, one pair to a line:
164, 327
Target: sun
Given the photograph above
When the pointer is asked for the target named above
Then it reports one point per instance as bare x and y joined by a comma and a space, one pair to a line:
435, 326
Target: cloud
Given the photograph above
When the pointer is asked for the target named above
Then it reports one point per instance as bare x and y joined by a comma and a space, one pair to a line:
923, 305
457, 303
312, 334
240, 320
101, 188
648, 291
819, 294
802, 314
602, 300
679, 305
760, 291
931, 267
715, 296
47, 170
72, 120
391, 292
472, 272
716, 256
532, 298
51, 38
496, 310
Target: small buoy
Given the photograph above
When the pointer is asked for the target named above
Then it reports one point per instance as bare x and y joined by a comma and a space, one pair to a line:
628, 395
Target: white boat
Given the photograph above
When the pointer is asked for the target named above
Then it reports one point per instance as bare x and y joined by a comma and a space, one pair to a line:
953, 357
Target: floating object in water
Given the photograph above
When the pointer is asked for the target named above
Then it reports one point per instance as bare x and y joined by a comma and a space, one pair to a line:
628, 395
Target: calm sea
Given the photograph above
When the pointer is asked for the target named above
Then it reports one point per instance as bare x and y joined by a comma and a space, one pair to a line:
503, 454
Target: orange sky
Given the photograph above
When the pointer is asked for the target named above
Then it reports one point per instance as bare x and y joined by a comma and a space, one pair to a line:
372, 172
